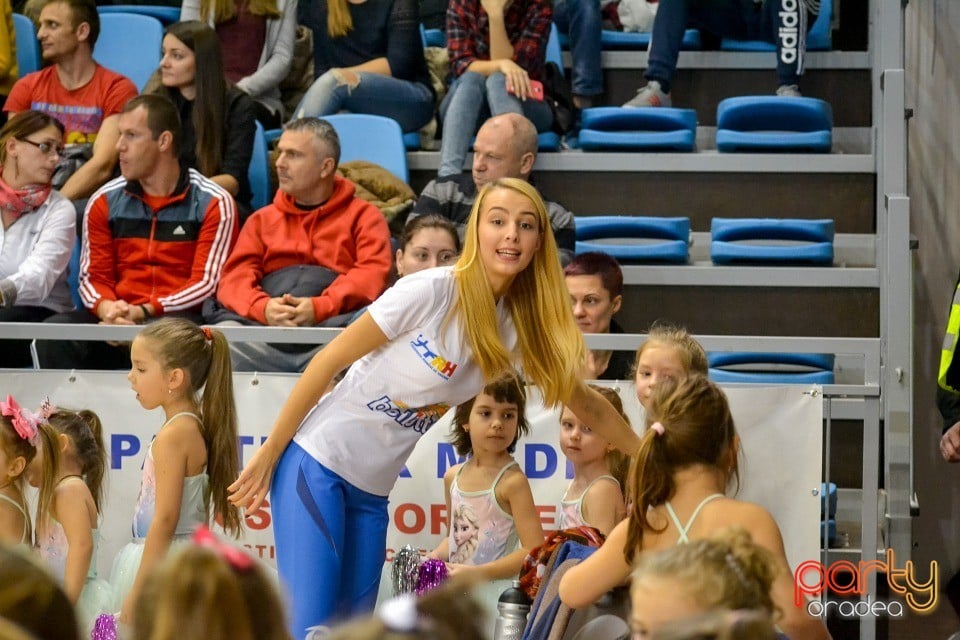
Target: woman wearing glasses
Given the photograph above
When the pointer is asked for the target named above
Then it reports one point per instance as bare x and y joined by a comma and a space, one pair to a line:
38, 228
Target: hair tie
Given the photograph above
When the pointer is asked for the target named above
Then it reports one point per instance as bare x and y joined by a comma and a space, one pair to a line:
658, 428
400, 614
24, 422
207, 333
47, 409
737, 569
203, 537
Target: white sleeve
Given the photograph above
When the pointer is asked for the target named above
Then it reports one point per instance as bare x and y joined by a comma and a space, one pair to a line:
48, 258
412, 302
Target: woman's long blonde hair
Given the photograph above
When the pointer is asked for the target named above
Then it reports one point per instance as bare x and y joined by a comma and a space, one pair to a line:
549, 342
339, 20
223, 10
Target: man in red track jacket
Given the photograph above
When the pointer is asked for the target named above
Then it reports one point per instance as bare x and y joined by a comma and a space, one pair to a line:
154, 240
313, 257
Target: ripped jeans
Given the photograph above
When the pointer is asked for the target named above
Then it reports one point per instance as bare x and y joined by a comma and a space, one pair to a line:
409, 103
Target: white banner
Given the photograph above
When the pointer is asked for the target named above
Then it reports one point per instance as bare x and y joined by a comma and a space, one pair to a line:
780, 428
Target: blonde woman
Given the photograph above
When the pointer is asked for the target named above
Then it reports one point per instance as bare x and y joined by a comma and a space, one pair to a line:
430, 342
257, 38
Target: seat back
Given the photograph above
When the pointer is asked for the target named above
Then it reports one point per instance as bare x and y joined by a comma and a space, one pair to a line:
129, 44
372, 138
28, 49
554, 54
259, 172
166, 15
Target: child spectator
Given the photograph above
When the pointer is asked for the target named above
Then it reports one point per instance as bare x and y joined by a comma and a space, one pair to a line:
69, 470
368, 58
726, 572
488, 496
257, 38
595, 283
594, 497
195, 454
497, 50
18, 446
31, 598
667, 353
209, 590
686, 461
217, 119
428, 241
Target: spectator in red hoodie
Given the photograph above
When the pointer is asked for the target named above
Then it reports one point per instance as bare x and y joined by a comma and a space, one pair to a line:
311, 258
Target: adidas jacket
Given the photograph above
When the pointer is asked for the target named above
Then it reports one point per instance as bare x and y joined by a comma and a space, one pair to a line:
167, 251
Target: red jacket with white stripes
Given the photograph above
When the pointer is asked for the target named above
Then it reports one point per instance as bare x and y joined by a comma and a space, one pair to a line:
167, 251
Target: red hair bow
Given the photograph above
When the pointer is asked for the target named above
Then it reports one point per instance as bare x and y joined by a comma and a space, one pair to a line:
236, 558
24, 422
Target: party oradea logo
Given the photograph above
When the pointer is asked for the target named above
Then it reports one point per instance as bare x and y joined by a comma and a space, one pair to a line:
845, 578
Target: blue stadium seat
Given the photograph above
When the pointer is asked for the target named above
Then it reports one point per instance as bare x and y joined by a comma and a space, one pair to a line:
635, 239
828, 500
625, 129
166, 15
371, 138
259, 172
771, 368
28, 49
771, 241
433, 37
819, 36
773, 123
129, 44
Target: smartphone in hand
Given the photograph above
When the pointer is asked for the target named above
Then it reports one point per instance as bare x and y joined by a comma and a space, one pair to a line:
536, 90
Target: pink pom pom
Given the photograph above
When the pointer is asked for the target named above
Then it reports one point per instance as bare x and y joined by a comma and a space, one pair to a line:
105, 628
430, 576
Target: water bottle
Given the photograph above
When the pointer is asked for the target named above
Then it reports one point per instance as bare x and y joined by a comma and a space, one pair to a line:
512, 608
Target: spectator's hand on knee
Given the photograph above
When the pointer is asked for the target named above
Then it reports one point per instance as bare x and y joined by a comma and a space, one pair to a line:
950, 444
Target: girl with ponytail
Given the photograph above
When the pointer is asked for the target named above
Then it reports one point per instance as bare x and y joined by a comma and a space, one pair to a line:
677, 490
194, 455
68, 470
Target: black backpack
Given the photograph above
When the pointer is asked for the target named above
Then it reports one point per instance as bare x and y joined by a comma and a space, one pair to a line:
560, 98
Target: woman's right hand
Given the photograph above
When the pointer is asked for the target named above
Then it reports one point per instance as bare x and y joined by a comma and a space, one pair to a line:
518, 80
252, 486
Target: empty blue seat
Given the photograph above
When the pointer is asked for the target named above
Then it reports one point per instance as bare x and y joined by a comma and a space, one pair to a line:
828, 528
634, 239
28, 49
819, 37
640, 41
625, 129
129, 44
771, 240
828, 500
433, 37
773, 123
259, 172
166, 15
771, 368
371, 138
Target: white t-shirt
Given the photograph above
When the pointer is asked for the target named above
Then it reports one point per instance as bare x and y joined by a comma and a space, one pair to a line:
365, 428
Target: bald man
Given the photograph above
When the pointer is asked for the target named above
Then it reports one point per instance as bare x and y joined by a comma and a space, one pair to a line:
506, 147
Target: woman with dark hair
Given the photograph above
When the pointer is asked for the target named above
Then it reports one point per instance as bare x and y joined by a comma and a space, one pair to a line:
38, 228
257, 38
217, 119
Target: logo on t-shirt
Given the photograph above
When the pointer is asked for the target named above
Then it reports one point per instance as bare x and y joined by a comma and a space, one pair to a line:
440, 365
420, 419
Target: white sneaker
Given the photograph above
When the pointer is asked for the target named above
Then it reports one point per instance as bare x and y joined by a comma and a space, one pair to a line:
650, 96
789, 91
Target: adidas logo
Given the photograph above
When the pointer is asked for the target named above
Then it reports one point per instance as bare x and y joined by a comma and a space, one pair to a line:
179, 231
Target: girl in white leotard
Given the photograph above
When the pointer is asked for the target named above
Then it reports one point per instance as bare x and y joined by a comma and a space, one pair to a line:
593, 498
69, 469
686, 461
194, 455
18, 439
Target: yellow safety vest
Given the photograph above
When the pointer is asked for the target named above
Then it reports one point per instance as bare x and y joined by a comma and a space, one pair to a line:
949, 376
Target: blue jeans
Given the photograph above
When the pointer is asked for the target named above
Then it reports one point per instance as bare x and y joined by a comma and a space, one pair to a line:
738, 19
471, 100
331, 541
409, 103
582, 21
